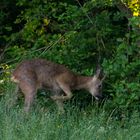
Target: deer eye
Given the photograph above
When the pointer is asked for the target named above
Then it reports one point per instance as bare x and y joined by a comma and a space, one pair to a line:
100, 86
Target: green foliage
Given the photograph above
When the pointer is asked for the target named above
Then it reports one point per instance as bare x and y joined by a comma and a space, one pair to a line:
78, 35
74, 124
123, 75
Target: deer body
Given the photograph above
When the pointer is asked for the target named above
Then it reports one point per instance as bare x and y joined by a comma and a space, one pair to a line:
31, 75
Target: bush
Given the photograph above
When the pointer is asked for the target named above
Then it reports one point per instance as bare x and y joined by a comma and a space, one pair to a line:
78, 35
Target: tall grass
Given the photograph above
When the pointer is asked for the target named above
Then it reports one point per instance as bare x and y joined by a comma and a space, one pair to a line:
74, 124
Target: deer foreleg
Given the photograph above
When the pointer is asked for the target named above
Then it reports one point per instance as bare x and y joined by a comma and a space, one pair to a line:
62, 97
60, 105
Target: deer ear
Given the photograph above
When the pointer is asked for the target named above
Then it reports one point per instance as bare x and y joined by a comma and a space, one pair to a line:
98, 71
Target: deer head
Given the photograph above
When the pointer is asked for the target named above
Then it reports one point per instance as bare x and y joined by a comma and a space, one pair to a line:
95, 85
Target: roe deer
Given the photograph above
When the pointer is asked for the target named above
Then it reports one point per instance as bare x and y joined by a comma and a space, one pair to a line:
31, 75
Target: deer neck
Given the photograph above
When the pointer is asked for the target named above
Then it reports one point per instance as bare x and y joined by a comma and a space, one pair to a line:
82, 82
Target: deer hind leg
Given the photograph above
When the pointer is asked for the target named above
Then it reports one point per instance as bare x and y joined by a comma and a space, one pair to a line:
16, 93
14, 97
29, 90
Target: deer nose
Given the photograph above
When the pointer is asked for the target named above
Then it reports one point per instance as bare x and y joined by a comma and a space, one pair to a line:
99, 97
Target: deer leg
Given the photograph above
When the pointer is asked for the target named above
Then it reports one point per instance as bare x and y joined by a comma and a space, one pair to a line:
16, 92
60, 105
66, 90
14, 97
28, 101
29, 90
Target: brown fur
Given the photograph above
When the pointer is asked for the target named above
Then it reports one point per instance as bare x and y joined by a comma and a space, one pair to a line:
31, 75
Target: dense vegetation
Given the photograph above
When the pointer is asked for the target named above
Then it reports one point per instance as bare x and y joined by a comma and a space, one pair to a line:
78, 34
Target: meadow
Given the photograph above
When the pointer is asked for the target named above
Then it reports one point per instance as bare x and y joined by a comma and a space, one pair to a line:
44, 122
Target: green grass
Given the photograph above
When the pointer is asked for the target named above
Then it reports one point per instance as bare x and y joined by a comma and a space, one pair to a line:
75, 124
